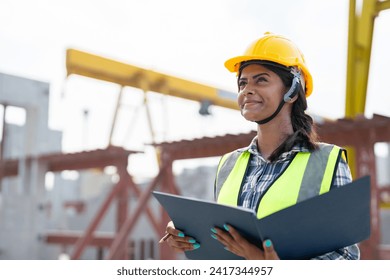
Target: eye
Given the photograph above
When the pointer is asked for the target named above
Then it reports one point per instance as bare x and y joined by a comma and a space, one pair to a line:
261, 79
242, 83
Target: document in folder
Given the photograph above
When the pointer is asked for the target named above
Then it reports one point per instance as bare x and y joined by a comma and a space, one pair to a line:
313, 227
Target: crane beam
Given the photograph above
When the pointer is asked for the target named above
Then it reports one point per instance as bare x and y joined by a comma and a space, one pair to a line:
101, 68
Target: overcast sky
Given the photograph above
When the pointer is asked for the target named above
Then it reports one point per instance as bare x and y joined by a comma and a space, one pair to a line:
188, 39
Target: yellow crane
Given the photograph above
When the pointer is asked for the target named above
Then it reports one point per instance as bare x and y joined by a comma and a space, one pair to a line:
360, 33
97, 67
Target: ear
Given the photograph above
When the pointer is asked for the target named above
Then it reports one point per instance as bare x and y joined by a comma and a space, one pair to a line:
293, 99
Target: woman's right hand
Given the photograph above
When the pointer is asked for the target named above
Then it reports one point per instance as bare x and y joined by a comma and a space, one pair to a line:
178, 241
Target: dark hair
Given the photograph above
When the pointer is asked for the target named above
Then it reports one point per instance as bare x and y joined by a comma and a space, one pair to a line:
303, 125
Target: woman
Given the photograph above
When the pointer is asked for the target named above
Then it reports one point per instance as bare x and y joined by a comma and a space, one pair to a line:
284, 164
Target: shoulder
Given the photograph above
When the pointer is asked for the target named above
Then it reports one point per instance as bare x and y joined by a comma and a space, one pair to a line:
234, 154
342, 152
323, 145
342, 174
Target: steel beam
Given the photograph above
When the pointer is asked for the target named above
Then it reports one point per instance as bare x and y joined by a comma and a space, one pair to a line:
87, 236
130, 222
101, 68
71, 237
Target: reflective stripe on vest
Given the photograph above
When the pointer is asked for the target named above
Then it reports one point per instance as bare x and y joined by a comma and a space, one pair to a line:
308, 175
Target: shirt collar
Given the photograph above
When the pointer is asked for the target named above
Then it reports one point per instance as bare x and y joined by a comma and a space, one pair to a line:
252, 148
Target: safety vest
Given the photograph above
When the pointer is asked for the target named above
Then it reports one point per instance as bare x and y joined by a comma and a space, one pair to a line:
309, 174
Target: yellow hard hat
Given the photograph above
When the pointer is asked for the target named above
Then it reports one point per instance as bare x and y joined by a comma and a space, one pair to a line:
277, 49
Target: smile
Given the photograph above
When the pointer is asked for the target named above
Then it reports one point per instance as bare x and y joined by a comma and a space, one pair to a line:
251, 103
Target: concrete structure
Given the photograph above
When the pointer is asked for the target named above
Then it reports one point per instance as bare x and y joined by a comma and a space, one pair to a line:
23, 198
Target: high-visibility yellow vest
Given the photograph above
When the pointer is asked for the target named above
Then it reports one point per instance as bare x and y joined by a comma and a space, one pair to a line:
309, 174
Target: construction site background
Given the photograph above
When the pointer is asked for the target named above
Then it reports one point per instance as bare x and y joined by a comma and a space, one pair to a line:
82, 189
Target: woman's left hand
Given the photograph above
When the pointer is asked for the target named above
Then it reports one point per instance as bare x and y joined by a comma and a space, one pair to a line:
238, 245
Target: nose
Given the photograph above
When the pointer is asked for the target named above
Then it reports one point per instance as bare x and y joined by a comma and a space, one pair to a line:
246, 90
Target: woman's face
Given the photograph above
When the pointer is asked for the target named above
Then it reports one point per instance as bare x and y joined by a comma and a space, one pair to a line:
260, 92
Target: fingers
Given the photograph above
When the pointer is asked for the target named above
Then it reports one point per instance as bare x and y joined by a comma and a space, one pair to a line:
173, 231
178, 241
269, 251
221, 235
235, 243
227, 235
234, 233
181, 244
230, 239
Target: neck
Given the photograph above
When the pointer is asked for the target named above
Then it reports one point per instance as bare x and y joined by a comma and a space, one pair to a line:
271, 135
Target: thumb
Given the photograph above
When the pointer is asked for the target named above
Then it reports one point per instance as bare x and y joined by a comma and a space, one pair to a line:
269, 251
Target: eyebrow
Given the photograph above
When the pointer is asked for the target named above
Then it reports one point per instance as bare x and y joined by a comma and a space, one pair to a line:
256, 76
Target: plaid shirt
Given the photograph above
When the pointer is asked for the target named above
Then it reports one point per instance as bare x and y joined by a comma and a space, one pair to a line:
261, 173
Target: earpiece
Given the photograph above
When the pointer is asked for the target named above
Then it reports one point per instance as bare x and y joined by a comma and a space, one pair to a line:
294, 89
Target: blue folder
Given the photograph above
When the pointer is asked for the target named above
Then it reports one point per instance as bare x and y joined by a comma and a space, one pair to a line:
310, 228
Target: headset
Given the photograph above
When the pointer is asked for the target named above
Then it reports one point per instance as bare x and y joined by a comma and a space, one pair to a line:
294, 89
